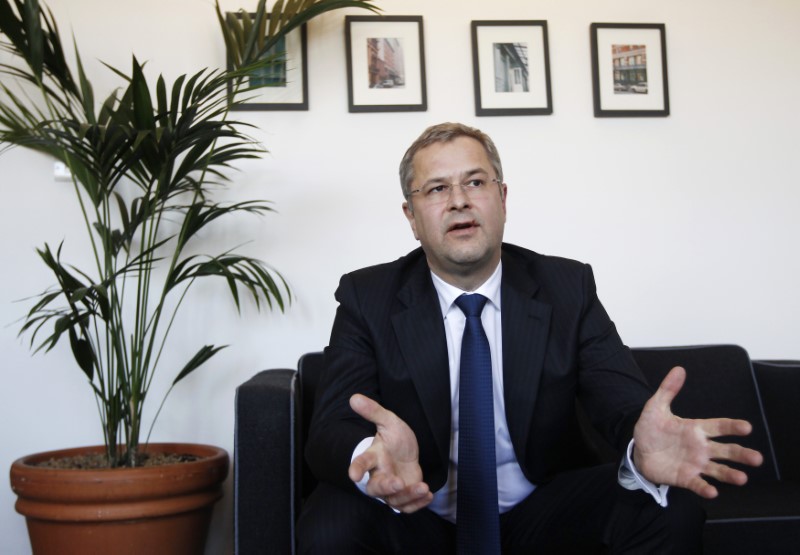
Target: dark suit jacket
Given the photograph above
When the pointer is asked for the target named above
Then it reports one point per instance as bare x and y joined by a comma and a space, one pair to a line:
559, 345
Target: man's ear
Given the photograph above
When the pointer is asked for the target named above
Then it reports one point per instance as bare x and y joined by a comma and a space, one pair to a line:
408, 210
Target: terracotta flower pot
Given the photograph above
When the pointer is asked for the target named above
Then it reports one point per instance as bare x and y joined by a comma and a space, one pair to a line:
148, 510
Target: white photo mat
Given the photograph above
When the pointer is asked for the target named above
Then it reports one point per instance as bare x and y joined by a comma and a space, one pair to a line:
608, 102
408, 32
533, 37
292, 92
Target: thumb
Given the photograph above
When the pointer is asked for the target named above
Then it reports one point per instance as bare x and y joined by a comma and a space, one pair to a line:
670, 387
369, 409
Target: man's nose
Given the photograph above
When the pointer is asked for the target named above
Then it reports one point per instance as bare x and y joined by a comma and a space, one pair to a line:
457, 196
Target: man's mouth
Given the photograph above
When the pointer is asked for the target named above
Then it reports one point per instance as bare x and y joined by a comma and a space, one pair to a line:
461, 225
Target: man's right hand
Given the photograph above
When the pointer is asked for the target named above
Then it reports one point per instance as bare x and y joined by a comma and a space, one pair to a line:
392, 460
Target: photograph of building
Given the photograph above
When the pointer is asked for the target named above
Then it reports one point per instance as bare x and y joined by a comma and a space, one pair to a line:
386, 67
511, 67
630, 68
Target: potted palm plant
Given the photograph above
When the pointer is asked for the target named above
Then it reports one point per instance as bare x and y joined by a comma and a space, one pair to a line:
146, 162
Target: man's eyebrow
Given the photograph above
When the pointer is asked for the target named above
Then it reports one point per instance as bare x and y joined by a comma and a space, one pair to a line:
465, 174
476, 171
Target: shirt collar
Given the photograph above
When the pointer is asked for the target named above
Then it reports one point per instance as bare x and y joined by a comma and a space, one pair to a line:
448, 293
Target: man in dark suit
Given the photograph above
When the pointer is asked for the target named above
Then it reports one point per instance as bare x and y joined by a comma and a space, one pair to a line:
386, 422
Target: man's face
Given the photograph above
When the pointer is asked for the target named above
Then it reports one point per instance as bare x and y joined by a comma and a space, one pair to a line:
461, 235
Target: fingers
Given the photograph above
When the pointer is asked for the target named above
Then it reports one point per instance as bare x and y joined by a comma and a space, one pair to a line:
737, 453
718, 427
417, 505
391, 460
721, 471
410, 499
381, 483
390, 489
724, 473
362, 464
384, 485
702, 488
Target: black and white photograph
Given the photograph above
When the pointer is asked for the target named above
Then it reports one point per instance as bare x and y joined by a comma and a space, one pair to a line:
385, 64
629, 70
511, 68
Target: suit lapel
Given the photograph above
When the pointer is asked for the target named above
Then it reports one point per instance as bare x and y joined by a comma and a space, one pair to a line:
526, 324
420, 334
419, 328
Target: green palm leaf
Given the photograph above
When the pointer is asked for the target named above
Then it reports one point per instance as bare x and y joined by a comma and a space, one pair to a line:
146, 164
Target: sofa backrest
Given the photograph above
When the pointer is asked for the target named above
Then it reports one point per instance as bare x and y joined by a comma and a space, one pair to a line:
309, 370
719, 383
780, 393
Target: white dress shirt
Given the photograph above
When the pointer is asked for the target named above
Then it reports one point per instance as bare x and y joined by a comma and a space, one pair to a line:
512, 486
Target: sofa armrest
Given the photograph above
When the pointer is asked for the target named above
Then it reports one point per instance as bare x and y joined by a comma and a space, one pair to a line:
265, 497
779, 388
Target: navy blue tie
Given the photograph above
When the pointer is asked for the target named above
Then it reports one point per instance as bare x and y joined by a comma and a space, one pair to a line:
477, 517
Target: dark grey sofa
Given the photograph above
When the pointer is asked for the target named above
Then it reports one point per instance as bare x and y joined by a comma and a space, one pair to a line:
273, 409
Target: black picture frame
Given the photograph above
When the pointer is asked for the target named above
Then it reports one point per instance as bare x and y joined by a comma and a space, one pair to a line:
385, 64
629, 70
290, 91
511, 68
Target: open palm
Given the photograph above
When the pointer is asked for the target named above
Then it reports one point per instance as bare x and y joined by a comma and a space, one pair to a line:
682, 452
392, 460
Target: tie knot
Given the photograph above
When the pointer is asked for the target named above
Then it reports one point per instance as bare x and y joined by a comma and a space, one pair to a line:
471, 305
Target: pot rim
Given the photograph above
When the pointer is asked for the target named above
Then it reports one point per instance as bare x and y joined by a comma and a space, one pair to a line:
198, 449
99, 485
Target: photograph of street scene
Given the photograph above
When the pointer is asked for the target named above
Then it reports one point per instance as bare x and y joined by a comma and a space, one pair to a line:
630, 68
511, 67
386, 64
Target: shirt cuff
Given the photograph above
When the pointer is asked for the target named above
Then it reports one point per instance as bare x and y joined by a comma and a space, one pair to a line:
362, 446
629, 478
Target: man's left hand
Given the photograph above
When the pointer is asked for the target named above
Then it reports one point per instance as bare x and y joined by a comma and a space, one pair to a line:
681, 452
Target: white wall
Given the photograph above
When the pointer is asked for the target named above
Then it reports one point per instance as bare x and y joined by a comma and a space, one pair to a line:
690, 222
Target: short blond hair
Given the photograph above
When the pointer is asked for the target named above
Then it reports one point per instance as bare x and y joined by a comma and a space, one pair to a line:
443, 133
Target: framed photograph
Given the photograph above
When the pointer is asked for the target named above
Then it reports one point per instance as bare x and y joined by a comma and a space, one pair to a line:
283, 85
385, 64
511, 67
629, 70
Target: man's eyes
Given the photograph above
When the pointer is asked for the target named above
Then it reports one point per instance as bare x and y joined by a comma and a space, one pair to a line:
475, 183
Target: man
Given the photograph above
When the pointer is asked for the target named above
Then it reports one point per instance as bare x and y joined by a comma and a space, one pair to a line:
389, 436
